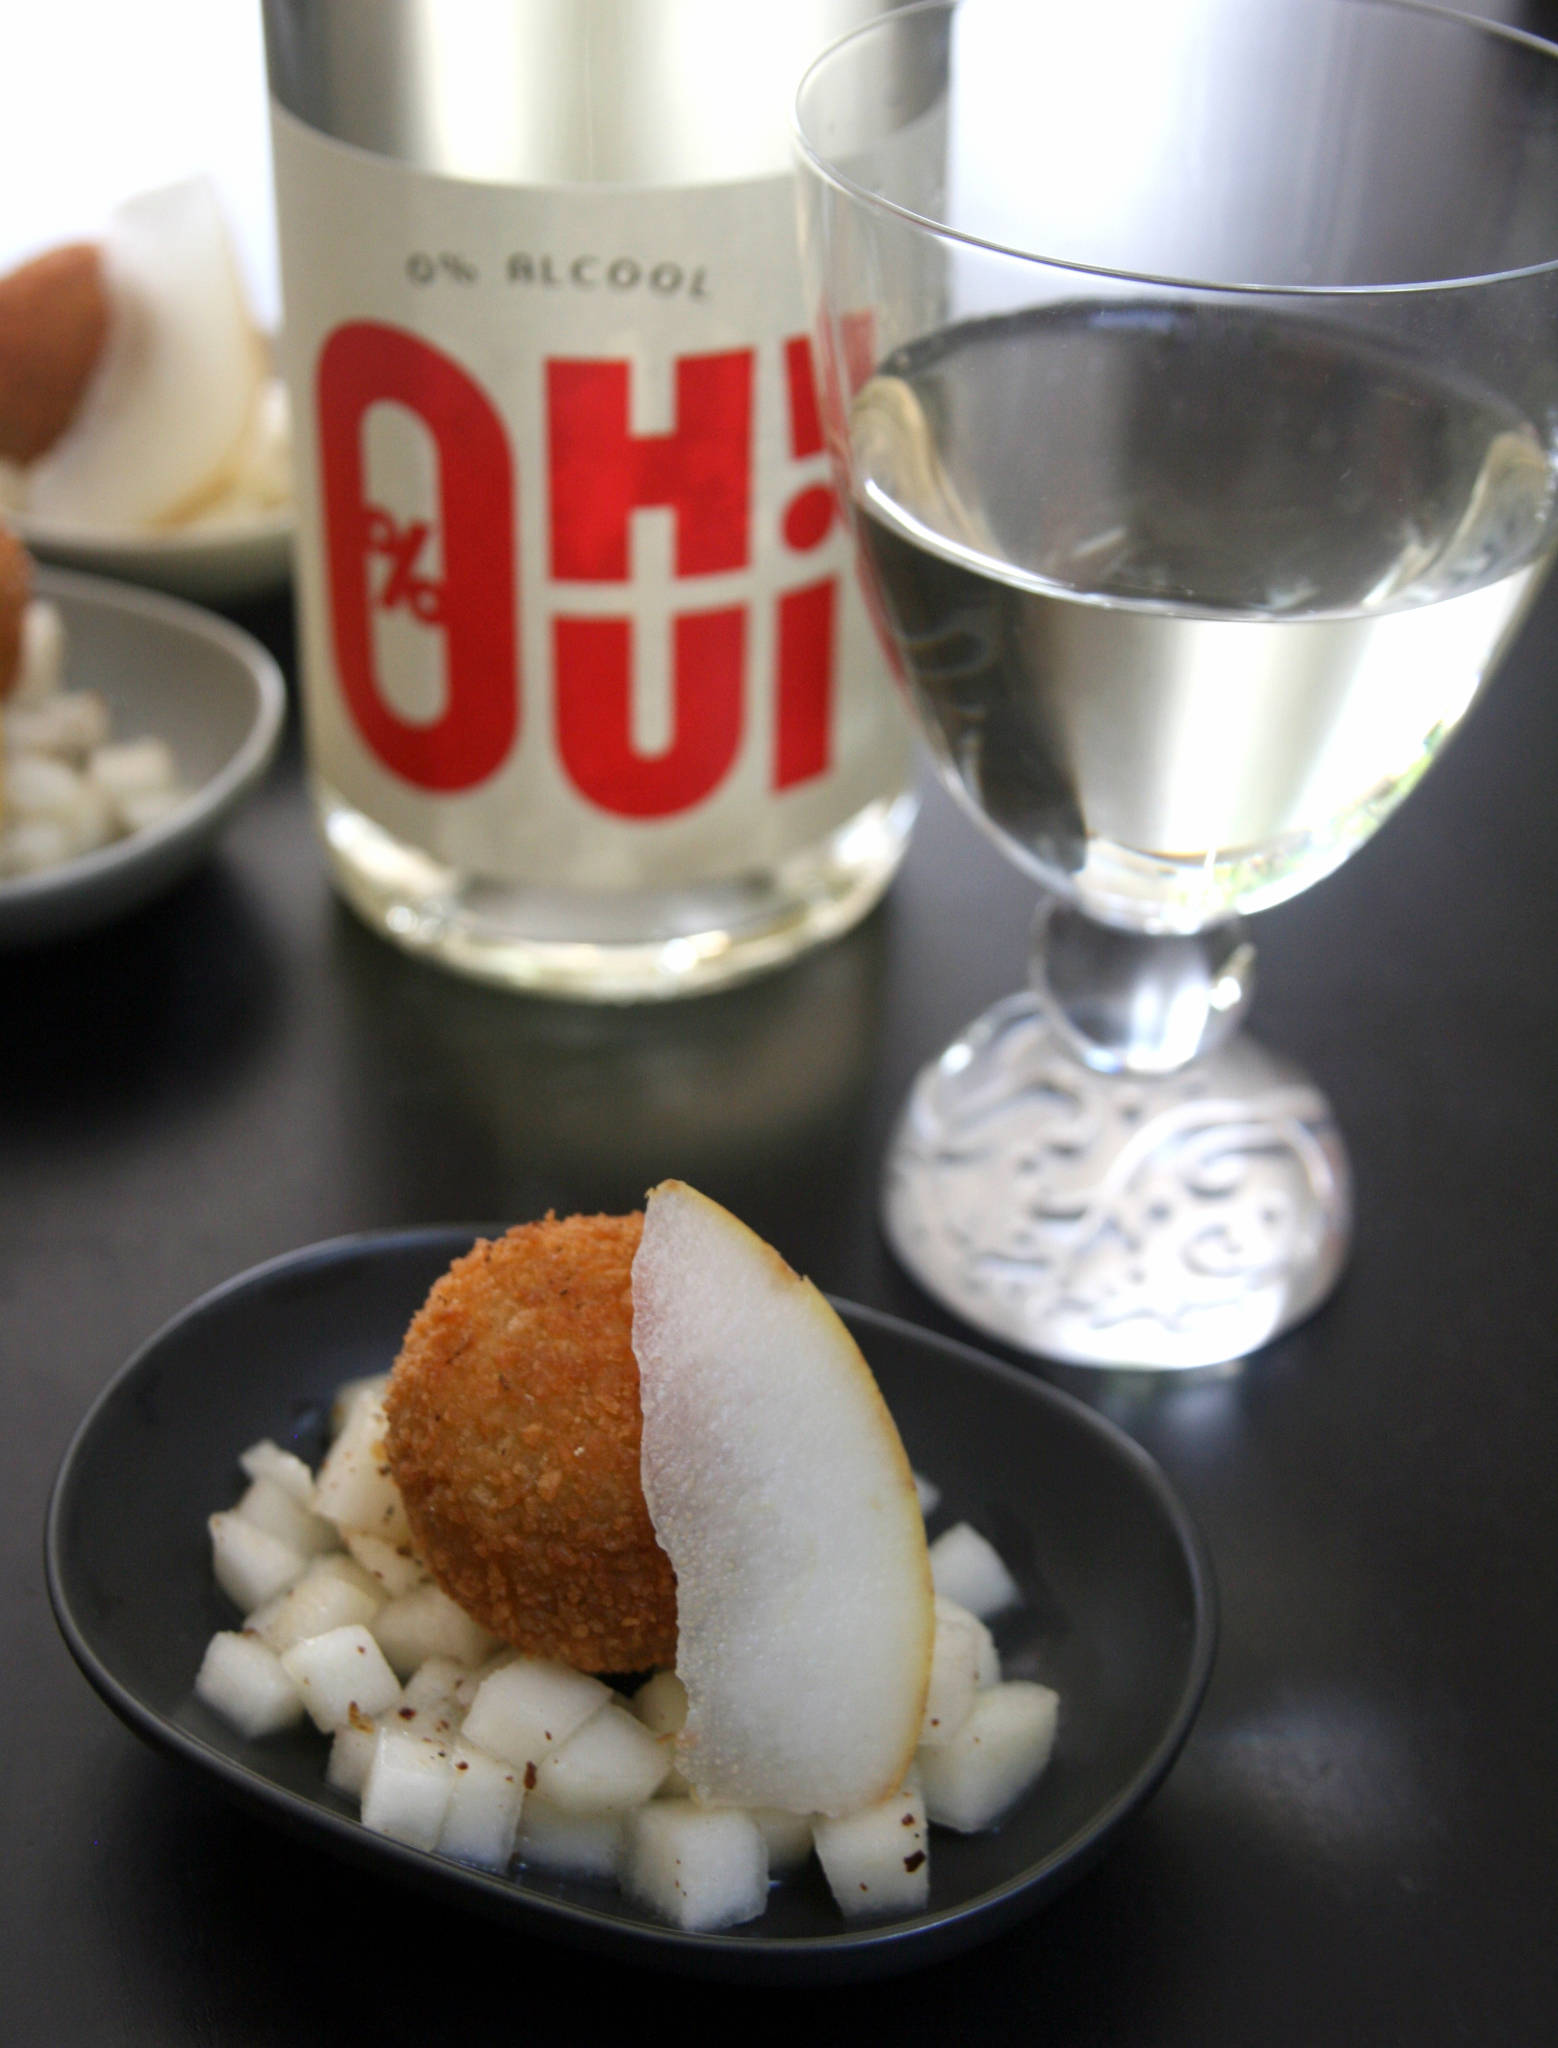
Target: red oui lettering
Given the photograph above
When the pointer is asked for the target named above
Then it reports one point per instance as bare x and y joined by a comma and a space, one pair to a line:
600, 473
595, 711
474, 607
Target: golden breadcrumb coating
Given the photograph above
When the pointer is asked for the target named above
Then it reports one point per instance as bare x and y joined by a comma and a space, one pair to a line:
514, 1426
53, 324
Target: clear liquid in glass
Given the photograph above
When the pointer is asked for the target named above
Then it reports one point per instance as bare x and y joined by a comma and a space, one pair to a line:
1189, 597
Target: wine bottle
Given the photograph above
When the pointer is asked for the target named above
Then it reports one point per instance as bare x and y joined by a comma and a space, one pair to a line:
593, 702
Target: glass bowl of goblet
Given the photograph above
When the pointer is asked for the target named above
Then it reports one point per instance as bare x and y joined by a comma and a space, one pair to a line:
1191, 372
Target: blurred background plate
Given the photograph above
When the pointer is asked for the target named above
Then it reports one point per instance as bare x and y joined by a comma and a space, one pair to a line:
224, 560
167, 669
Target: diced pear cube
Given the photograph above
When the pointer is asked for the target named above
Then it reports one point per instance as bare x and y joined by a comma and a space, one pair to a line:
995, 1756
528, 1708
472, 1681
699, 1867
987, 1670
395, 1566
69, 723
243, 1681
354, 1488
954, 1672
42, 790
132, 767
661, 1703
251, 1565
136, 809
441, 1718
371, 1387
351, 1750
320, 1601
571, 1844
269, 1505
342, 1673
878, 1860
787, 1835
427, 1623
987, 1661
32, 844
965, 1567
42, 654
928, 1493
433, 1684
406, 1792
485, 1800
336, 1564
611, 1763
267, 1460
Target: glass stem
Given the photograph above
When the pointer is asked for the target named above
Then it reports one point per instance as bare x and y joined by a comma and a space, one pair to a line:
1140, 1002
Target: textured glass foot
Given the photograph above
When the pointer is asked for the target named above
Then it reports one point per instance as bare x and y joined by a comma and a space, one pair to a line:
1111, 1219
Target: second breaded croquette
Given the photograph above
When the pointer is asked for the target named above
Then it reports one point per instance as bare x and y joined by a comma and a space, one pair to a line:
15, 590
514, 1427
54, 315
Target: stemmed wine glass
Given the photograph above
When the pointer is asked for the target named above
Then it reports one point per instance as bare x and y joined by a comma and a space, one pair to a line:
1191, 367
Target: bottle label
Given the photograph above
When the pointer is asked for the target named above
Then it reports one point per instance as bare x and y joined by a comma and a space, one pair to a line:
577, 601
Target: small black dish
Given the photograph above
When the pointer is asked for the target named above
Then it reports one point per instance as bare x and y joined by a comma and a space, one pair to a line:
1118, 1613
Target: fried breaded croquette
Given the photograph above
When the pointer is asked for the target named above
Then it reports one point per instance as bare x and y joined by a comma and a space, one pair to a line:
15, 589
514, 1426
54, 314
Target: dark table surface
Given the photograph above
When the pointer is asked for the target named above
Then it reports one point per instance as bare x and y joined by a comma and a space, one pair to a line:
1359, 1842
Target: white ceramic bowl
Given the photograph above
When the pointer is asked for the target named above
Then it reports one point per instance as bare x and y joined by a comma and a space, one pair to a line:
169, 669
237, 556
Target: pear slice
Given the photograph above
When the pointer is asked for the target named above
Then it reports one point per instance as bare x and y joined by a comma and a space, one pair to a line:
165, 412
779, 1489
